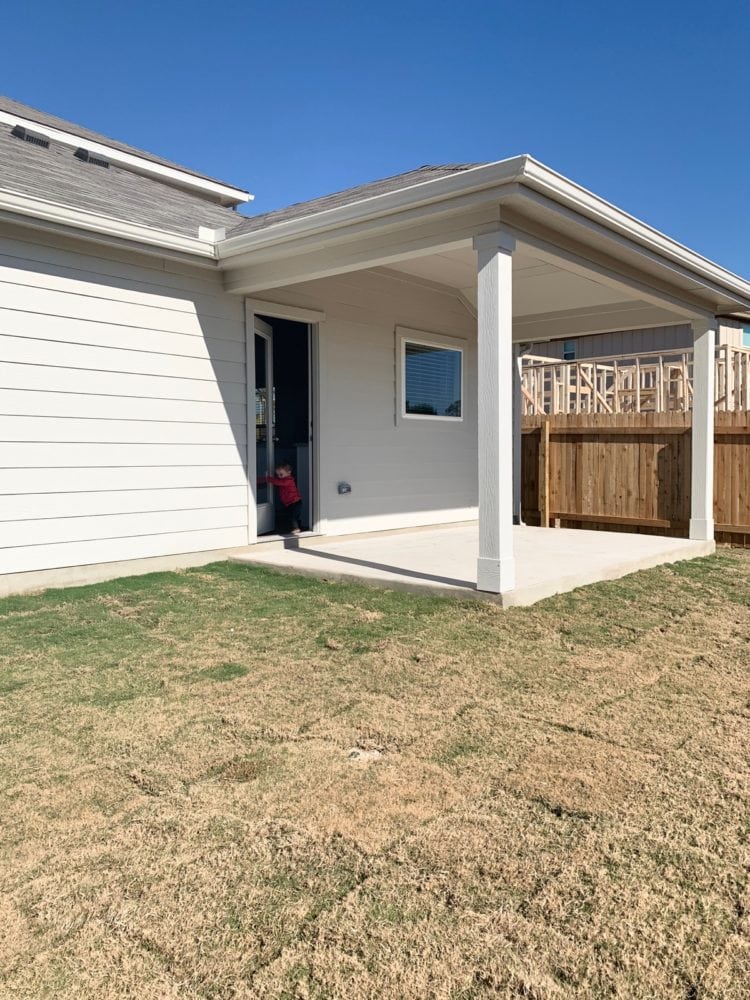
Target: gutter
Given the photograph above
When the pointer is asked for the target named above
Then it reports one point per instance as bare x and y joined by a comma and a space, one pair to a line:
486, 176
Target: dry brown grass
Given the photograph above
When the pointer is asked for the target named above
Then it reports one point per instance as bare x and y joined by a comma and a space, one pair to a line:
556, 808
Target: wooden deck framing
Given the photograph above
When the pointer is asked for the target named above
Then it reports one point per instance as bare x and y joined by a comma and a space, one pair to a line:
654, 382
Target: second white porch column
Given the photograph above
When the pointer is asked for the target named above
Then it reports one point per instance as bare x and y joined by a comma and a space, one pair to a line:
496, 570
702, 467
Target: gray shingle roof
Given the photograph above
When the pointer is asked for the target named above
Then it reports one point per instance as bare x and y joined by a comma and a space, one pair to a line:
12, 107
397, 182
55, 174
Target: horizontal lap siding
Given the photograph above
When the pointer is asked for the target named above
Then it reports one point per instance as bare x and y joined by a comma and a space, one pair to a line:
122, 408
45, 403
125, 431
85, 480
402, 474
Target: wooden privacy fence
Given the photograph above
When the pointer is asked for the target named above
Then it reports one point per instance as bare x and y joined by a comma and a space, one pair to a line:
631, 471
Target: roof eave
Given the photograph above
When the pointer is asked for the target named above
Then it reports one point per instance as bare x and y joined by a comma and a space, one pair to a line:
556, 187
522, 171
40, 213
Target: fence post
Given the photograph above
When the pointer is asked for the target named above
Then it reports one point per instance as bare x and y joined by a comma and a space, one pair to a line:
544, 473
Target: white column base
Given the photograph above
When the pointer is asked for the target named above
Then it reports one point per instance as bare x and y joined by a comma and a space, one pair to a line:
701, 530
496, 576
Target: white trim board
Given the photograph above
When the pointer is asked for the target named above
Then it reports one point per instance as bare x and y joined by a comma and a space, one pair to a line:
30, 211
277, 310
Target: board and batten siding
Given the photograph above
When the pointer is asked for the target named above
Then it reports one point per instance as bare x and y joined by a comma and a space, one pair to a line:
630, 342
403, 474
123, 423
624, 342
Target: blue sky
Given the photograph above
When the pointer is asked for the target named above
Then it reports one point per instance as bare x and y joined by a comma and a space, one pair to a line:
644, 103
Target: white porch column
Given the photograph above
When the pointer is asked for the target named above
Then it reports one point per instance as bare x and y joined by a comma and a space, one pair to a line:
496, 564
702, 468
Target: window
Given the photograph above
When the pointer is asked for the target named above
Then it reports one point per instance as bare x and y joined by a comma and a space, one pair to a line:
431, 377
746, 336
569, 350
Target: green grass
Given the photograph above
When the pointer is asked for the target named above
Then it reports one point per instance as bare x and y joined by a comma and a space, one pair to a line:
557, 808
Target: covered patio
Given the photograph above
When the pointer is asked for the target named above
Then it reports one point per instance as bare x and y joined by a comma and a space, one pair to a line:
442, 561
497, 257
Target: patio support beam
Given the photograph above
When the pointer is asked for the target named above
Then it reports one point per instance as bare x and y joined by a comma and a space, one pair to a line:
496, 563
702, 462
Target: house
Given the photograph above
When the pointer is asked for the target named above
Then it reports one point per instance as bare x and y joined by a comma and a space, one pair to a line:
159, 350
628, 343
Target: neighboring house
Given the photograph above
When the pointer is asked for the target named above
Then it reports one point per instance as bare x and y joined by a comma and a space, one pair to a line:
626, 343
159, 351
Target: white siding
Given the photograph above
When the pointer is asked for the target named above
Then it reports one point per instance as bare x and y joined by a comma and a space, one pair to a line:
122, 407
418, 472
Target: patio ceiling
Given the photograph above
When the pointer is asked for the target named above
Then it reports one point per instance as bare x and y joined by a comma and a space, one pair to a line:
549, 298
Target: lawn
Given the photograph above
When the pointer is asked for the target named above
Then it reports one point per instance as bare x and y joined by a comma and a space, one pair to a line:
226, 783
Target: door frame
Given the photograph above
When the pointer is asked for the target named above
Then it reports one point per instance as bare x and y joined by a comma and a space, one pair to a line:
264, 512
312, 318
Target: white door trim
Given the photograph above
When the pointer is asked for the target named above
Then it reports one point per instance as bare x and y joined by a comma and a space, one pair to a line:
280, 311
312, 317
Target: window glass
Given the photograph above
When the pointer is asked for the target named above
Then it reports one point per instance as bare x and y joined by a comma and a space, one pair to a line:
746, 336
432, 380
569, 350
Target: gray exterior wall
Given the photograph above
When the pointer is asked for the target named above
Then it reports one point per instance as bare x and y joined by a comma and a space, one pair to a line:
626, 342
629, 342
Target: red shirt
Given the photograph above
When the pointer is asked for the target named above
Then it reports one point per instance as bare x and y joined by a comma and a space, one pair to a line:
288, 492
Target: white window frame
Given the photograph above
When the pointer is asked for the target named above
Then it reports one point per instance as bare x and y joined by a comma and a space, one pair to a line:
404, 336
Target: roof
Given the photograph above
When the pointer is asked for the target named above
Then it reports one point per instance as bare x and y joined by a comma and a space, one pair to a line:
349, 196
378, 220
12, 107
58, 176
139, 191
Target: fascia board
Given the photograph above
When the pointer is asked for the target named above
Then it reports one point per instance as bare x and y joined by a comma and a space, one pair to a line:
26, 207
139, 164
428, 192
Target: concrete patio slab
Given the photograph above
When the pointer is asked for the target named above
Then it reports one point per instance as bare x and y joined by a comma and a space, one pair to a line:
442, 560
